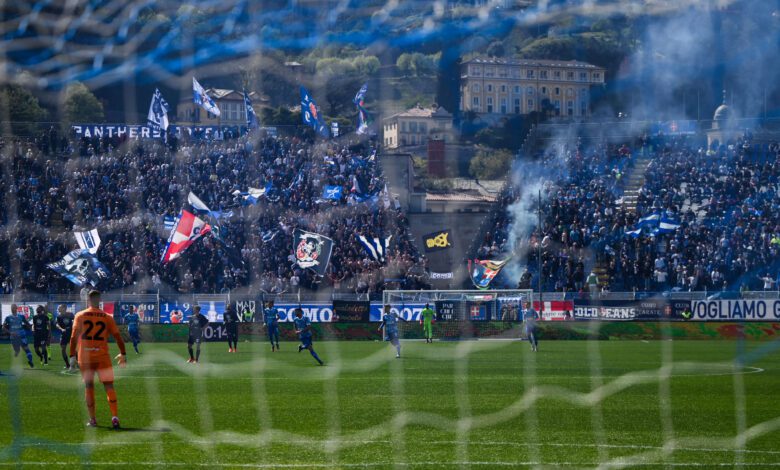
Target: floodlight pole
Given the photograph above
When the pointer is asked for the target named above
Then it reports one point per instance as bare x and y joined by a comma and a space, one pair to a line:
539, 253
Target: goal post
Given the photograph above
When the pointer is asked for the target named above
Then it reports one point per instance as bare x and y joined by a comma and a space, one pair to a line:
461, 314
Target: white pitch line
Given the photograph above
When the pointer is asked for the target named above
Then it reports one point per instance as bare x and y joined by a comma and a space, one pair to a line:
752, 370
386, 464
470, 443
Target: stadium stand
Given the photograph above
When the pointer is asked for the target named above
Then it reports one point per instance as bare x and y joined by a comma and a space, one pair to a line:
53, 185
725, 200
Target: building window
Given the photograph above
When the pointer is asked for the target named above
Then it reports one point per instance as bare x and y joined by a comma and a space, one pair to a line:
569, 75
583, 77
423, 128
583, 108
543, 74
502, 72
403, 140
557, 107
596, 76
403, 126
412, 127
517, 105
475, 103
503, 106
569, 92
557, 91
490, 71
489, 88
517, 90
475, 88
529, 73
570, 108
557, 74
530, 91
503, 88
490, 104
544, 90
530, 105
474, 70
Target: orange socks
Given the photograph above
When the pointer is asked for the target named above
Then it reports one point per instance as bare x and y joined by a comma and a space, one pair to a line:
111, 394
89, 394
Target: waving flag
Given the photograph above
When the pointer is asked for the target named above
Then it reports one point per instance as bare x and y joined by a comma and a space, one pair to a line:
169, 221
201, 208
668, 224
202, 99
89, 241
158, 111
251, 117
358, 100
251, 196
376, 247
332, 193
312, 250
649, 220
311, 115
363, 119
634, 233
484, 271
81, 267
187, 229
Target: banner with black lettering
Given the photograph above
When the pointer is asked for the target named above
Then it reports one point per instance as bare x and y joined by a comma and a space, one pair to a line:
352, 311
736, 310
436, 241
627, 310
248, 309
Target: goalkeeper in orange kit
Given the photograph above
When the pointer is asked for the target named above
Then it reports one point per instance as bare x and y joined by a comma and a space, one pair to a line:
90, 334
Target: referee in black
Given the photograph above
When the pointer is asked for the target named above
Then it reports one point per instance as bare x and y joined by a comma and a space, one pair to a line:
231, 327
197, 323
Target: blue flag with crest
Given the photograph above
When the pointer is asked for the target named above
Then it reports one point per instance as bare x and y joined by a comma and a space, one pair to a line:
311, 114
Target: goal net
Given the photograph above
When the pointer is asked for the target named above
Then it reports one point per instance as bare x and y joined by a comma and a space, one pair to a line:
461, 314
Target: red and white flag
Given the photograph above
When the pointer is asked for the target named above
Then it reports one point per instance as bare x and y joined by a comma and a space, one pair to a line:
187, 229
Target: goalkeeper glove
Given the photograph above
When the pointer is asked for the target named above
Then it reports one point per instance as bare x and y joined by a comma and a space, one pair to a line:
121, 359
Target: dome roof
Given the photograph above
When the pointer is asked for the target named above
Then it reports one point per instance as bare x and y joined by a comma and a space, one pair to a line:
723, 113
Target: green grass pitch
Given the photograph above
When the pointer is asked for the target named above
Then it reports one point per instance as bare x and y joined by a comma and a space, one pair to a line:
470, 404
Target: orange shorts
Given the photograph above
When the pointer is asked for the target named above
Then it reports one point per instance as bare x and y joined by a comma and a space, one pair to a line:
102, 366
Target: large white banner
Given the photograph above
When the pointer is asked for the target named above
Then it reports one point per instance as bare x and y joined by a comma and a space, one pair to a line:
736, 310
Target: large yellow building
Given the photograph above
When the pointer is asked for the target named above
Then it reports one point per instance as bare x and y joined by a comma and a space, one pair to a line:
520, 86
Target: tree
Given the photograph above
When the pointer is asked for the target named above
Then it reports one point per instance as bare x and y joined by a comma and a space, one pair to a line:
490, 164
21, 108
80, 105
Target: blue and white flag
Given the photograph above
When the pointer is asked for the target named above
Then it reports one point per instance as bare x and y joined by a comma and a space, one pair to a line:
89, 241
649, 220
199, 207
310, 114
251, 118
269, 235
376, 247
251, 196
361, 94
634, 233
363, 119
668, 224
202, 99
332, 193
81, 267
297, 181
169, 221
158, 111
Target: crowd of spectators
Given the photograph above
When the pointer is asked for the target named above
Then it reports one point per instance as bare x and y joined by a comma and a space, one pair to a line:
726, 200
52, 186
